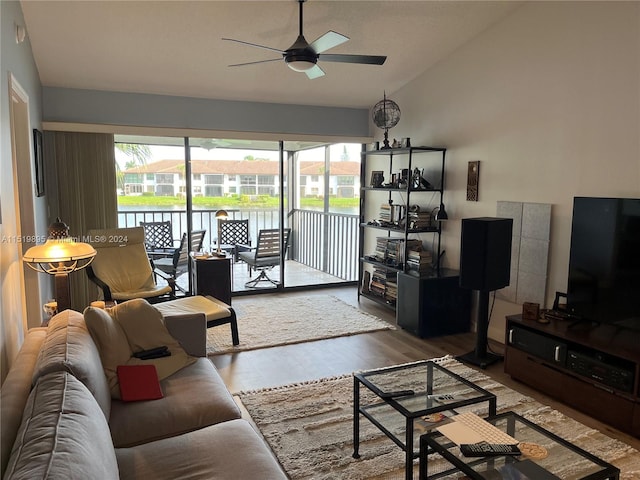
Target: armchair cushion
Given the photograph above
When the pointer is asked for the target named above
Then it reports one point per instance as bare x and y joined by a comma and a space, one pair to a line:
122, 264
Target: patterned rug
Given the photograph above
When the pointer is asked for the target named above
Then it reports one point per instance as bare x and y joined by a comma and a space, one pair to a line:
272, 321
309, 427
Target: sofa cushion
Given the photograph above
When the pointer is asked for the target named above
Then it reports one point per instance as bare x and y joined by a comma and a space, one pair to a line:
130, 327
229, 450
144, 327
69, 346
15, 392
111, 342
194, 397
63, 434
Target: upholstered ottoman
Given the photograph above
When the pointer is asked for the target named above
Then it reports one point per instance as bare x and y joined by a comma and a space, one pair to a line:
216, 312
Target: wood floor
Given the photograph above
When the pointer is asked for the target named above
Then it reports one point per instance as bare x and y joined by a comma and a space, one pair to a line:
325, 358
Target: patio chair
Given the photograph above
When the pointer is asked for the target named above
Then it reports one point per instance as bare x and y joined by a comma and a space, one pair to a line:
158, 239
265, 255
121, 268
171, 268
234, 236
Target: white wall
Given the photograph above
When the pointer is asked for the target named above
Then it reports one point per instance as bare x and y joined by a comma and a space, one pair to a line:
549, 101
15, 59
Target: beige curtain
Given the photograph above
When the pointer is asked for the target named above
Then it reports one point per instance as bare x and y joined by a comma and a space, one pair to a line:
81, 186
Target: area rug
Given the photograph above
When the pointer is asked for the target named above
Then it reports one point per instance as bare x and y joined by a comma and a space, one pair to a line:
273, 321
310, 429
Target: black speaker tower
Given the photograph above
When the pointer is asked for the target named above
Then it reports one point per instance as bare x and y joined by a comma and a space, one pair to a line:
485, 264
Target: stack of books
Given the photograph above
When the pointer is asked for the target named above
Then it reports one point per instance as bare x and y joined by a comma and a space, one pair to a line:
389, 250
391, 292
384, 284
419, 261
419, 220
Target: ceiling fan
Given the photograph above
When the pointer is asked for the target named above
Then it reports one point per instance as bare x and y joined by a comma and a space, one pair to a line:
303, 56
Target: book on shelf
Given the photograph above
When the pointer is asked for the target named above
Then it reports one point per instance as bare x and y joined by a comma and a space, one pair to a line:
390, 250
384, 284
391, 213
391, 292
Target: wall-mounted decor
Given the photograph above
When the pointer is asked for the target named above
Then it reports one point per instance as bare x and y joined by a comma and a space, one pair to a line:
473, 175
37, 153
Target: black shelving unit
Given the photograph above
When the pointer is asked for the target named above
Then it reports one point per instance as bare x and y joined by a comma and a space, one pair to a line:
398, 159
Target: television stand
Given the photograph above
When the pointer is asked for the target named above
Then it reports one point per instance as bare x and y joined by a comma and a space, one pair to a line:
595, 370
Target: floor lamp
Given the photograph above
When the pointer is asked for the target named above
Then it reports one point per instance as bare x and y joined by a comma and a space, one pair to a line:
220, 215
59, 256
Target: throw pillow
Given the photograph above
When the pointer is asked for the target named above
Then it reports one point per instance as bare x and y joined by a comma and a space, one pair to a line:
112, 344
144, 328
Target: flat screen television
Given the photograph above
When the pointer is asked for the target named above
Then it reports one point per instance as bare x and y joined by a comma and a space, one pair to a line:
604, 261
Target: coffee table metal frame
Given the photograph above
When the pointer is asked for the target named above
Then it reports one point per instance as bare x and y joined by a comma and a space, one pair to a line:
422, 390
429, 443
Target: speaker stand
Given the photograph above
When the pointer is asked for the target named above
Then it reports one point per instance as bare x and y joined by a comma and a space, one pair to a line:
480, 357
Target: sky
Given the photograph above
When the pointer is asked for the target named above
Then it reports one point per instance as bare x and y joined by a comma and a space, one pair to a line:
164, 152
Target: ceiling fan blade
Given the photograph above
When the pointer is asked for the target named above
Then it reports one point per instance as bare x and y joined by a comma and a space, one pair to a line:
314, 72
367, 59
259, 61
253, 45
328, 40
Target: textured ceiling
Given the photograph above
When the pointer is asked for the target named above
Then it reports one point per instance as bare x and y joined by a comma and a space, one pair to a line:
175, 47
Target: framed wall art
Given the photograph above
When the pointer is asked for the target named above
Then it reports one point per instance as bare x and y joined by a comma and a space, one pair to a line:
377, 178
37, 153
473, 178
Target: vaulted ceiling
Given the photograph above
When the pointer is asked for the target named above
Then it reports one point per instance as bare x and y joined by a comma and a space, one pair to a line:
176, 47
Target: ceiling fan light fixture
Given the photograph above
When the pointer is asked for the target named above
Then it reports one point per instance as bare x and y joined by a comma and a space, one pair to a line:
301, 64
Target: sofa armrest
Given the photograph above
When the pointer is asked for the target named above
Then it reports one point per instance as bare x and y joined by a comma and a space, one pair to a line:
190, 329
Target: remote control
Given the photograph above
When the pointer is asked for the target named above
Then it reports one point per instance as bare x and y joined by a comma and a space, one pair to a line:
442, 398
399, 393
484, 449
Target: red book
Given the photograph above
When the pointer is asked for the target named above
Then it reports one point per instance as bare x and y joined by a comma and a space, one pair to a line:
138, 382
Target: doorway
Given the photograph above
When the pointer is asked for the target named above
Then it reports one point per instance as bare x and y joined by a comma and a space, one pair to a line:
21, 153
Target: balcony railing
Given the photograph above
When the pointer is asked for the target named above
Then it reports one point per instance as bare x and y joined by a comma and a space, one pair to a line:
327, 242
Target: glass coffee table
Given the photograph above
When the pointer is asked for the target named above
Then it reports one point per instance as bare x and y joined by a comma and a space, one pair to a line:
545, 456
406, 401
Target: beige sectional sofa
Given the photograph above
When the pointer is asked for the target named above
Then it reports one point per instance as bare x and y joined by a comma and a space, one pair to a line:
59, 420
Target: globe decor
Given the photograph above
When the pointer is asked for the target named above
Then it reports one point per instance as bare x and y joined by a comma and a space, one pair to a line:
386, 115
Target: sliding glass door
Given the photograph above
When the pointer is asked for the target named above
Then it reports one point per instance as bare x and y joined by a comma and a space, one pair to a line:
239, 194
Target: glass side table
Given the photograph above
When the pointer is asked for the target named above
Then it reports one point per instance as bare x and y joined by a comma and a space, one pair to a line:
546, 456
427, 390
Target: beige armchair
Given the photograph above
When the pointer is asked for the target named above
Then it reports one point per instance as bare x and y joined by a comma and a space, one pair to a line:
121, 267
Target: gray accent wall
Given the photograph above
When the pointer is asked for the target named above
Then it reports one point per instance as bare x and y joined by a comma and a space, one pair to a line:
162, 111
529, 251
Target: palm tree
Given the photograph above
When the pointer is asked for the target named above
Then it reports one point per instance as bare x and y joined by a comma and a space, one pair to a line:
140, 154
